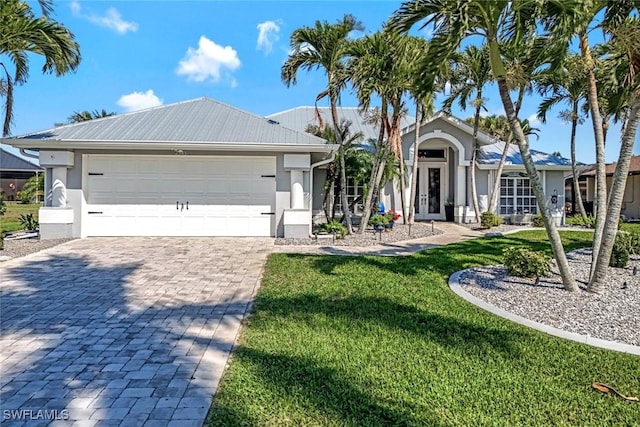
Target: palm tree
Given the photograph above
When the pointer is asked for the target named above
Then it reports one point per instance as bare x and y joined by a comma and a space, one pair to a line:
623, 61
568, 85
472, 72
323, 46
497, 22
86, 115
379, 65
22, 34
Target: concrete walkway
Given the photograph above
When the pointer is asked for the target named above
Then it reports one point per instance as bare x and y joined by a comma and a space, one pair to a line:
122, 331
452, 233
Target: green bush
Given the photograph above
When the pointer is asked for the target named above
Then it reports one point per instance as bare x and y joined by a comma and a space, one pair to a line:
489, 219
580, 221
523, 262
28, 221
537, 221
378, 219
626, 244
334, 227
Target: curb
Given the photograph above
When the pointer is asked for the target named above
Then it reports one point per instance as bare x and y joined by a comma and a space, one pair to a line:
454, 284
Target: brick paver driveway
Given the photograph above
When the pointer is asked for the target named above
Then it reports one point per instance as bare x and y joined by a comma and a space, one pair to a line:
122, 331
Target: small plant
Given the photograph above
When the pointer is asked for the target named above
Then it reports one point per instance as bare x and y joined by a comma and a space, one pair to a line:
378, 220
523, 262
538, 221
626, 244
489, 219
28, 221
580, 221
392, 215
334, 227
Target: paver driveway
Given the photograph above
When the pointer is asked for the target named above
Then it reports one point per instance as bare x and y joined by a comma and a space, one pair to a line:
122, 331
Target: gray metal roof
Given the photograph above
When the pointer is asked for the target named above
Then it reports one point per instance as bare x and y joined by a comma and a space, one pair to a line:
491, 154
11, 162
300, 118
201, 120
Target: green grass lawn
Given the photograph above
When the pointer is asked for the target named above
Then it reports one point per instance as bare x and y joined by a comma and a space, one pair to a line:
350, 341
630, 226
9, 221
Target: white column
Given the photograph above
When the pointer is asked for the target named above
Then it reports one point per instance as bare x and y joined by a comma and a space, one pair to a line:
47, 187
297, 189
461, 186
59, 187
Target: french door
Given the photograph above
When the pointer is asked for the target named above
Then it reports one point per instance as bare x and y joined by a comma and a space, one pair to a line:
430, 197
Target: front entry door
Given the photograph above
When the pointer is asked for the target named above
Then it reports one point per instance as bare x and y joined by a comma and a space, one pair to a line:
431, 192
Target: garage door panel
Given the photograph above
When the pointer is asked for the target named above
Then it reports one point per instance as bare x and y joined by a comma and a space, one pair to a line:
137, 196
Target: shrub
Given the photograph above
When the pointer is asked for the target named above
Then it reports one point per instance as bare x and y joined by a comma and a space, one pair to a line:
537, 221
489, 219
334, 227
378, 219
28, 221
523, 262
626, 243
392, 215
580, 221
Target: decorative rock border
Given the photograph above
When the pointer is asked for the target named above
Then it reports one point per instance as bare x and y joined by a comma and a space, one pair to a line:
454, 284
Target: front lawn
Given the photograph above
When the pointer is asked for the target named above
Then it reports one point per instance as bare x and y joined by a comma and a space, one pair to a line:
9, 221
338, 340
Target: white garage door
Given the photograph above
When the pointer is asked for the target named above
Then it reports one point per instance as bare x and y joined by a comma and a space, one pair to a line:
179, 196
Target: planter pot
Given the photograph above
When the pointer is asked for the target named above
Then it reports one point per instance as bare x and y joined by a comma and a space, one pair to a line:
448, 212
378, 227
389, 224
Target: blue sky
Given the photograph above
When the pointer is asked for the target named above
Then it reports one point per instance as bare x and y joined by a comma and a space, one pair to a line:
138, 54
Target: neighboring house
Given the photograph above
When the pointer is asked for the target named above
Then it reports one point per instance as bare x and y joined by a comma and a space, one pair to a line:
14, 173
444, 174
194, 168
203, 168
631, 201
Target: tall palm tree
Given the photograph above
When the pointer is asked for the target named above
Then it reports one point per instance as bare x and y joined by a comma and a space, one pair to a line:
323, 46
472, 72
568, 85
498, 23
21, 34
380, 65
86, 115
622, 59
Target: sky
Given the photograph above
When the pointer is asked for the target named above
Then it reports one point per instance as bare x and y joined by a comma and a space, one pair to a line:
141, 54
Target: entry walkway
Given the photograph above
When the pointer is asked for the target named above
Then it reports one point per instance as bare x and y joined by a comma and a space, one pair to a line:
452, 233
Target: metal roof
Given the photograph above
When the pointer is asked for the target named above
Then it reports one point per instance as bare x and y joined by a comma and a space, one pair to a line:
201, 120
300, 118
634, 168
491, 154
11, 162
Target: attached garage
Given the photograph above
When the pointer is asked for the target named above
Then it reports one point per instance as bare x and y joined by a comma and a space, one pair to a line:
193, 168
180, 196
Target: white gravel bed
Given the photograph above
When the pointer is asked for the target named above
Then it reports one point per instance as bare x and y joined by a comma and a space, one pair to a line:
399, 233
22, 247
613, 315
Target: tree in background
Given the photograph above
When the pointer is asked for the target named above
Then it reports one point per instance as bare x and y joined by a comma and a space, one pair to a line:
86, 115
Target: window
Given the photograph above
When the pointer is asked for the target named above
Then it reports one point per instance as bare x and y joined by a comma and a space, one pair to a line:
516, 195
431, 154
355, 190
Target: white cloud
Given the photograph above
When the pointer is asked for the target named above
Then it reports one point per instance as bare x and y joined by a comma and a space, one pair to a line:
534, 120
267, 36
139, 100
111, 19
208, 61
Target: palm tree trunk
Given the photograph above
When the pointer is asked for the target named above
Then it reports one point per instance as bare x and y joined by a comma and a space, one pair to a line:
493, 201
620, 176
568, 281
343, 174
574, 166
376, 172
474, 155
596, 119
414, 166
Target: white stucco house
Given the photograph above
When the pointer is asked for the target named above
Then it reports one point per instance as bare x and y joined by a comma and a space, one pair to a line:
204, 168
